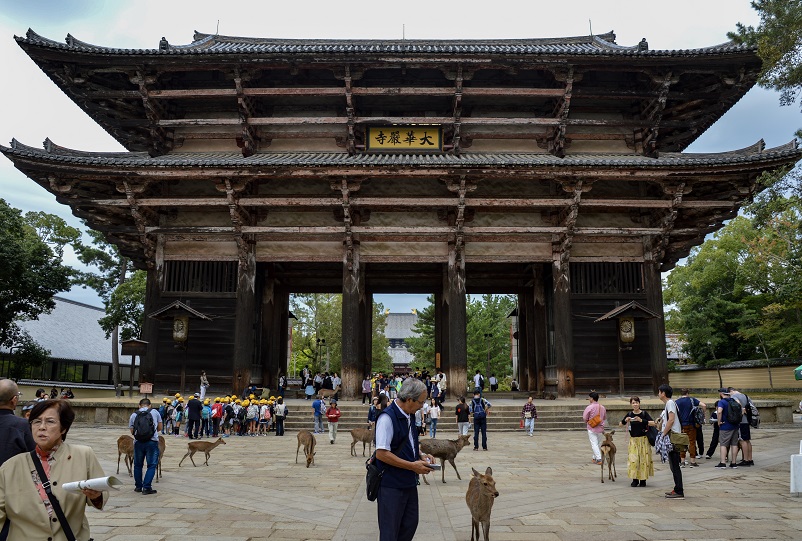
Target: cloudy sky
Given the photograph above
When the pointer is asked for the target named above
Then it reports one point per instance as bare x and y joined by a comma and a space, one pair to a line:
32, 108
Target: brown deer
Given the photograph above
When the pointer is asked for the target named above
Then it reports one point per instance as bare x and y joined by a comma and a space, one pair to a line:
328, 393
444, 450
162, 447
608, 456
125, 446
308, 441
365, 435
204, 446
480, 497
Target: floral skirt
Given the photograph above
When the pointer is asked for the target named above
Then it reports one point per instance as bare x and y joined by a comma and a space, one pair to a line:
640, 465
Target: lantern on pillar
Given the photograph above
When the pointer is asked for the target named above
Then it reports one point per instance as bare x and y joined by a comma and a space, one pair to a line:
180, 328
626, 328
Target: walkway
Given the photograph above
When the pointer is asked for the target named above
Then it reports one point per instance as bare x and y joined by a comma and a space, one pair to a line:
253, 490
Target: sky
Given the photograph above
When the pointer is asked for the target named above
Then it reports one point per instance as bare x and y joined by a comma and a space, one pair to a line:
32, 108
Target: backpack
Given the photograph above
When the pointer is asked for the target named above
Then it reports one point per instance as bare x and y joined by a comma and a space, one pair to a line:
479, 409
241, 414
481, 382
266, 415
206, 412
752, 414
143, 426
698, 416
734, 411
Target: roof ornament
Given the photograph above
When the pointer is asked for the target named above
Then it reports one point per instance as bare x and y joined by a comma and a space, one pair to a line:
643, 45
163, 44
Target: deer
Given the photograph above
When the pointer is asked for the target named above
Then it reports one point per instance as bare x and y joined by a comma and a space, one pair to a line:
365, 435
162, 447
608, 456
445, 450
480, 497
308, 441
125, 446
205, 446
328, 393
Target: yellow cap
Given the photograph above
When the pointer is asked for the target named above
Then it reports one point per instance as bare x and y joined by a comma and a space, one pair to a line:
180, 399
217, 399
178, 395
278, 397
238, 401
246, 403
251, 397
206, 402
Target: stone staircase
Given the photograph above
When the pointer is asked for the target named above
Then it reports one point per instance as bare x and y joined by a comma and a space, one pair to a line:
553, 416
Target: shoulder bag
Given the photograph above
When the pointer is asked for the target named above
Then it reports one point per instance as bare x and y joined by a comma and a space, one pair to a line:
596, 420
65, 526
373, 477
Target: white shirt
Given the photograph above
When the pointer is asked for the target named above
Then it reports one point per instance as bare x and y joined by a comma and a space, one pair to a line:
441, 382
672, 406
493, 380
384, 430
434, 412
476, 379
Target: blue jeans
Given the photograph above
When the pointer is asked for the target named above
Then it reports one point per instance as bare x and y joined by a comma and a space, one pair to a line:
319, 424
529, 424
479, 425
145, 451
433, 428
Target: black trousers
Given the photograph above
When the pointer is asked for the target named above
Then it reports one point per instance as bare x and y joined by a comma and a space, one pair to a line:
480, 425
279, 426
713, 442
193, 427
673, 461
398, 513
700, 441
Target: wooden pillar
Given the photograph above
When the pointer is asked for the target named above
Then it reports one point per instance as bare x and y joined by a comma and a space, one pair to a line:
245, 322
274, 335
352, 326
523, 368
365, 358
563, 329
283, 334
456, 368
150, 330
531, 369
657, 327
541, 328
440, 330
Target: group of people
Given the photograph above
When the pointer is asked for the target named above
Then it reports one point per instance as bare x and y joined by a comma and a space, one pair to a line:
677, 433
313, 384
223, 416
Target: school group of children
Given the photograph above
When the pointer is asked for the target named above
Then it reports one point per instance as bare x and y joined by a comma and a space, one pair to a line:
227, 416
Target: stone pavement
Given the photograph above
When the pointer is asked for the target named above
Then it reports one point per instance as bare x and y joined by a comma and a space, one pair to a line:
549, 490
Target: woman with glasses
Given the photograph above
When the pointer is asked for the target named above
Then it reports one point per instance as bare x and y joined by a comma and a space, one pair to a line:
24, 501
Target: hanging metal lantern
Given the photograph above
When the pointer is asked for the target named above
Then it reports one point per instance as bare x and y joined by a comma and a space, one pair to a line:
626, 329
180, 328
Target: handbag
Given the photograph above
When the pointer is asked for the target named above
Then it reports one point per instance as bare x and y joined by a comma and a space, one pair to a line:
651, 435
679, 440
596, 420
65, 526
373, 478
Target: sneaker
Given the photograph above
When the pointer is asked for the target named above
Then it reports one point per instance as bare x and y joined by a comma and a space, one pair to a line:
733, 465
721, 465
745, 463
708, 457
146, 491
138, 489
683, 464
674, 496
634, 483
693, 465
751, 462
699, 456
642, 483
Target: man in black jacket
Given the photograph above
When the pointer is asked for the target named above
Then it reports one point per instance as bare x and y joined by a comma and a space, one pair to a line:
15, 432
194, 408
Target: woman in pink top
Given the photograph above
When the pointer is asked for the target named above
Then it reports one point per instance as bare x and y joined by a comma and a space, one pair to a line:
595, 432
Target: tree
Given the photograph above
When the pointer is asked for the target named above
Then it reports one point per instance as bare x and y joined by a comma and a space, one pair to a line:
112, 272
422, 345
30, 274
778, 39
125, 309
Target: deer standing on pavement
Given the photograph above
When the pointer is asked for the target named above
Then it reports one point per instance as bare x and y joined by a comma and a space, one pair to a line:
205, 446
162, 447
125, 446
308, 441
444, 450
608, 456
365, 435
480, 497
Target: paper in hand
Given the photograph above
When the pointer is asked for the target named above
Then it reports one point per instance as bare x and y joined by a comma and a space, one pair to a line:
100, 483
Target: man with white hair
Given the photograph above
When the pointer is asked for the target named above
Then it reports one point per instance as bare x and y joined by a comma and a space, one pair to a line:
399, 457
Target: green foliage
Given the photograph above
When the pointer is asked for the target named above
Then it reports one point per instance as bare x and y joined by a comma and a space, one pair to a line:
778, 39
27, 354
126, 307
488, 332
30, 274
739, 292
317, 333
111, 267
53, 231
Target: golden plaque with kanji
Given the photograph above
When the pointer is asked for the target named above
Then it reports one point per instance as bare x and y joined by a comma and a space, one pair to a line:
404, 139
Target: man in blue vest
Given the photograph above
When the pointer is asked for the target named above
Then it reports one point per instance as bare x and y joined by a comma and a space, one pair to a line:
400, 458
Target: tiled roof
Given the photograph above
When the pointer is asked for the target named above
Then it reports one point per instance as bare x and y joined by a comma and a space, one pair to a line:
54, 153
209, 44
400, 325
72, 332
400, 355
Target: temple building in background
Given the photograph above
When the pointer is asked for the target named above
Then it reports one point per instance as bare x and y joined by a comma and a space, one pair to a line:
550, 169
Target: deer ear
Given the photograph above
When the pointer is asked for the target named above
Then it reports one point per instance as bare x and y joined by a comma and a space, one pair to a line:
489, 471
475, 473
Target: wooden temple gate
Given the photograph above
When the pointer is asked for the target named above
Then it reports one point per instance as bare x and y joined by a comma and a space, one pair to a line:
550, 169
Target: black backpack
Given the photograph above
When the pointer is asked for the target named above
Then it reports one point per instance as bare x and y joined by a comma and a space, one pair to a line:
143, 426
734, 411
